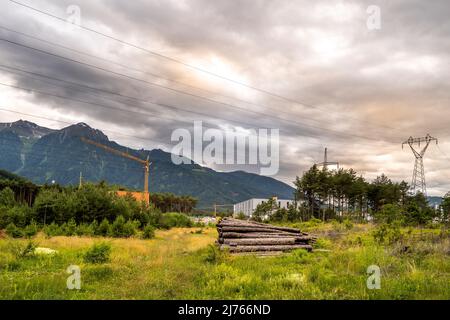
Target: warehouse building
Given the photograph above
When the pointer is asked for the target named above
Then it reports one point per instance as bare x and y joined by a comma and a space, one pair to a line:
248, 207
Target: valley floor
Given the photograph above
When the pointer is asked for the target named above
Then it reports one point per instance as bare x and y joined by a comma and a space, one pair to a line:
183, 264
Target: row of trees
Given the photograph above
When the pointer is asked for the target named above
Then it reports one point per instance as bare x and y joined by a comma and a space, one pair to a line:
168, 202
85, 207
326, 195
24, 191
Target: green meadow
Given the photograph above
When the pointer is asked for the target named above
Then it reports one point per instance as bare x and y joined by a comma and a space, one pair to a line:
183, 263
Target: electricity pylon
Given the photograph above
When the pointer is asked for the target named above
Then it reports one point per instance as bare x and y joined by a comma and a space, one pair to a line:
418, 179
327, 163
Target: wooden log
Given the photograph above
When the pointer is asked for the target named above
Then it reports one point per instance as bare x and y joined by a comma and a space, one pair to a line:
254, 235
256, 242
251, 229
265, 248
235, 223
264, 241
262, 235
262, 227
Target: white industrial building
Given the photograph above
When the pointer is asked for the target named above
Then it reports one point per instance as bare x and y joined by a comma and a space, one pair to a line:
248, 207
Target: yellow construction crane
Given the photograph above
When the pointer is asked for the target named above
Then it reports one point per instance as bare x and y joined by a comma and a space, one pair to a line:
146, 162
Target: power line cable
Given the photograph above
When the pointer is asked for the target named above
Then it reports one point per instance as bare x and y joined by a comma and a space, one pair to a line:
120, 109
178, 91
6, 68
178, 61
136, 112
165, 78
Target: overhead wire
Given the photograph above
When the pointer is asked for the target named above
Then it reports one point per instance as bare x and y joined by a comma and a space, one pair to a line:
178, 61
164, 78
189, 94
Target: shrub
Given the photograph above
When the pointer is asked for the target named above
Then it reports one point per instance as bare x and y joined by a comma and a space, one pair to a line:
389, 213
48, 206
300, 256
30, 230
212, 254
171, 220
148, 232
388, 233
70, 228
129, 229
348, 224
118, 227
241, 216
122, 229
94, 227
7, 198
322, 243
86, 204
18, 215
314, 222
104, 229
337, 226
52, 230
21, 251
13, 231
98, 253
85, 229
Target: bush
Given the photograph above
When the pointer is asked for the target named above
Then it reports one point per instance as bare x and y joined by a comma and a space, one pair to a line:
129, 229
70, 228
19, 215
122, 229
104, 229
94, 227
322, 243
148, 232
337, 226
13, 231
241, 216
348, 224
300, 256
172, 220
85, 229
30, 230
48, 206
315, 222
98, 253
52, 230
7, 198
212, 254
389, 213
21, 251
118, 226
388, 233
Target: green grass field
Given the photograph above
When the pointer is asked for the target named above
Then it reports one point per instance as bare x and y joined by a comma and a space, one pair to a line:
182, 264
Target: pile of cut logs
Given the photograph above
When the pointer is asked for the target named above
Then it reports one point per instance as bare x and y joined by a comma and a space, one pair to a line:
240, 236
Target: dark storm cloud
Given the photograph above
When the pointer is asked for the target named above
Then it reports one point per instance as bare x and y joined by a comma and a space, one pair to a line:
374, 87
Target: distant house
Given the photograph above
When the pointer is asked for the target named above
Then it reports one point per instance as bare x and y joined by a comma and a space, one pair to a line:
247, 207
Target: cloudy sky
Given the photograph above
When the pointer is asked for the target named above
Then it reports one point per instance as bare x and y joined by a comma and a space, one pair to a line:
312, 69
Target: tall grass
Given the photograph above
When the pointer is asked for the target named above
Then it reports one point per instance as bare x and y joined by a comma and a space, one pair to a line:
181, 264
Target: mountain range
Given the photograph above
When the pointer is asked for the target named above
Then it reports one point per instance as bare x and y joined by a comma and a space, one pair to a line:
45, 155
